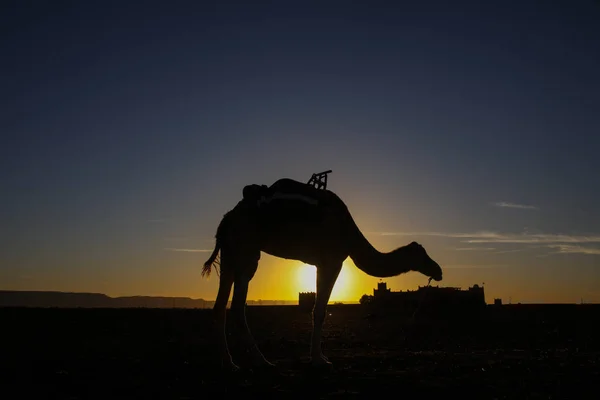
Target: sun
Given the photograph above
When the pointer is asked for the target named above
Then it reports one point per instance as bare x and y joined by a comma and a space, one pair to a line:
307, 282
306, 278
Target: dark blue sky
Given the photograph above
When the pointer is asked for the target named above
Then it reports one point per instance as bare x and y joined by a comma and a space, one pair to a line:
130, 129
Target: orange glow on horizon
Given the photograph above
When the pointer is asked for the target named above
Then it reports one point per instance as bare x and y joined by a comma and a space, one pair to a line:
306, 280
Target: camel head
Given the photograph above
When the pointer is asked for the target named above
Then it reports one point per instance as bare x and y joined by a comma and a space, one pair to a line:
423, 263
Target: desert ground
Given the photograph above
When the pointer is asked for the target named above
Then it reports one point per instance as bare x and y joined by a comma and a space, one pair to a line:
507, 352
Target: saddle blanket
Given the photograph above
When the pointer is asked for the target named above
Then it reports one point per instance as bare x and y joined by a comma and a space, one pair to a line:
283, 189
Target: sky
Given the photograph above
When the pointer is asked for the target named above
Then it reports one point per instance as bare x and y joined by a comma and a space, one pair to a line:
128, 129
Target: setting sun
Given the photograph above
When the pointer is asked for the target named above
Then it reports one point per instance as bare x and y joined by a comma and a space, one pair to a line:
307, 282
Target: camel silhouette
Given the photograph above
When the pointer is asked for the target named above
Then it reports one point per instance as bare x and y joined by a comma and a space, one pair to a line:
294, 220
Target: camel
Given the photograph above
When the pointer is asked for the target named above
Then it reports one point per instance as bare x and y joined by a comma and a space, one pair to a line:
293, 220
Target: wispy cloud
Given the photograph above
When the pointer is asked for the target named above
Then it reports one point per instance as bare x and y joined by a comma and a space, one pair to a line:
496, 237
506, 204
473, 266
189, 250
513, 250
573, 249
474, 248
529, 238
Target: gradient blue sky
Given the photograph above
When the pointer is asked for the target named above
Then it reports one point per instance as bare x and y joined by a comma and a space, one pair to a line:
130, 128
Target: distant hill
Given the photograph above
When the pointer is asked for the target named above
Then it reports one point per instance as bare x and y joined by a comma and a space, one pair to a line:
14, 298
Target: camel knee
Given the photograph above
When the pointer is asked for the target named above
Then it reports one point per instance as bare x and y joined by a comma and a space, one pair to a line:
219, 318
237, 313
318, 316
219, 306
218, 314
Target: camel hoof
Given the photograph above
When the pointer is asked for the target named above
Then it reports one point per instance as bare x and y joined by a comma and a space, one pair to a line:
268, 365
230, 368
259, 362
265, 367
321, 363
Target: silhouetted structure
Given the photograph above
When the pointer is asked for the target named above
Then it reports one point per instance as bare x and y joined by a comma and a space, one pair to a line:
319, 180
497, 302
306, 300
429, 299
382, 291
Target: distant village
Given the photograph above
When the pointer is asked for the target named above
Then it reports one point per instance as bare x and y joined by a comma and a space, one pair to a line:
444, 298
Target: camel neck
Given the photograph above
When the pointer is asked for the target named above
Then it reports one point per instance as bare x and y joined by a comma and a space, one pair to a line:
375, 263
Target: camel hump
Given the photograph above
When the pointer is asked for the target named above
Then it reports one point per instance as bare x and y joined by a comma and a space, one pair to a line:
282, 189
287, 185
291, 186
254, 192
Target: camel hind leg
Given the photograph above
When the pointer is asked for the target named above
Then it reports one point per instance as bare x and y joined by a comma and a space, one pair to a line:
238, 310
219, 311
245, 263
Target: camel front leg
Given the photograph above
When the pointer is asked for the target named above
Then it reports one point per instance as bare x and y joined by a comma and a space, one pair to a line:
238, 309
326, 277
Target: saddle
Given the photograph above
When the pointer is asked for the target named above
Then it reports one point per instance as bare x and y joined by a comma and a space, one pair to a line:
289, 189
282, 189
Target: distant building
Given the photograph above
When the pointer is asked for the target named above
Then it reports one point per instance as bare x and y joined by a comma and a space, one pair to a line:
306, 300
429, 299
382, 290
497, 302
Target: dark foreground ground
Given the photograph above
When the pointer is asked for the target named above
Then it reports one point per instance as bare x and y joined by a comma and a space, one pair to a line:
511, 352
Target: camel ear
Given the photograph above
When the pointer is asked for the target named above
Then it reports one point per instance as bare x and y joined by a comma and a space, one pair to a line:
414, 243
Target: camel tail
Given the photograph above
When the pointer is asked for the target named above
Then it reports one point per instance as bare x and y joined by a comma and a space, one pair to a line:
221, 233
211, 260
